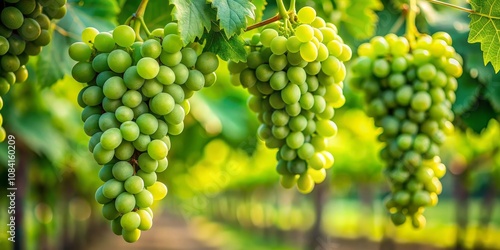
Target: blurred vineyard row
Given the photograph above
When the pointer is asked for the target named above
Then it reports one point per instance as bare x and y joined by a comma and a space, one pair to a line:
222, 179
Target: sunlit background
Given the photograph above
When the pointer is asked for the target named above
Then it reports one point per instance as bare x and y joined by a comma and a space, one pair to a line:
224, 191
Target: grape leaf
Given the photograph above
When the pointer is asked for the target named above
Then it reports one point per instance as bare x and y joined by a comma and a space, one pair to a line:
157, 14
467, 93
226, 48
485, 29
53, 62
492, 93
193, 17
232, 15
478, 117
260, 6
359, 17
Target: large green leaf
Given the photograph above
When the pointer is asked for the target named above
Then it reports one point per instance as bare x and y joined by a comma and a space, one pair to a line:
485, 29
100, 14
359, 17
157, 13
227, 48
54, 62
492, 93
233, 14
193, 17
479, 116
260, 6
467, 93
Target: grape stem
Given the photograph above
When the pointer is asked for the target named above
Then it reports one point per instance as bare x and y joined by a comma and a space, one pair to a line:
452, 6
411, 28
470, 11
282, 10
264, 22
138, 18
292, 7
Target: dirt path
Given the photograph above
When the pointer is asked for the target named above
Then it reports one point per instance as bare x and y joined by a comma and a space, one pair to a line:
169, 232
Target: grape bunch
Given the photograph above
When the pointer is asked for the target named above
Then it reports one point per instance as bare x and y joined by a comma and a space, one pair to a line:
409, 90
24, 30
296, 82
136, 98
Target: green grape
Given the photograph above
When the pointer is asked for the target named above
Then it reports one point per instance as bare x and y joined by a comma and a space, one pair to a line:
124, 113
124, 35
146, 220
405, 90
134, 184
105, 173
162, 165
79, 51
148, 68
89, 34
189, 57
92, 95
151, 48
101, 155
119, 60
166, 75
116, 227
278, 45
308, 51
131, 236
172, 43
207, 63
147, 123
109, 211
131, 99
30, 30
304, 33
306, 14
157, 149
171, 28
305, 183
170, 59
130, 130
181, 73
122, 170
108, 121
130, 221
149, 178
158, 190
195, 80
287, 80
12, 17
112, 188
162, 104
4, 45
111, 138
81, 72
133, 102
146, 163
267, 36
100, 198
125, 202
291, 94
17, 45
104, 42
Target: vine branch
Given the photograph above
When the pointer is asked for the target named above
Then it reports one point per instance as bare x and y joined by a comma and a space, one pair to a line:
264, 22
411, 28
470, 11
138, 18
